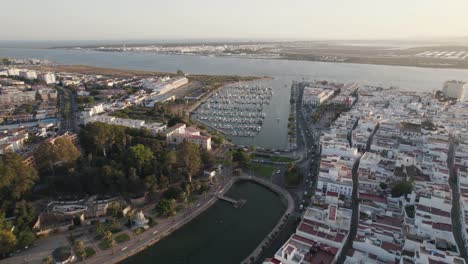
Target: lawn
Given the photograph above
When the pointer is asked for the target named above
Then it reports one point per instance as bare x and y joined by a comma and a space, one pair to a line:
122, 238
262, 170
103, 245
282, 159
89, 252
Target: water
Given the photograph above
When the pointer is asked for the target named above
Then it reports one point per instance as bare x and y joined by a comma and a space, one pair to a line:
274, 132
222, 234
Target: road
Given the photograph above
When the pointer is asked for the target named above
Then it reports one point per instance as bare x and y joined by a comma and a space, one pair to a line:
308, 139
68, 122
37, 253
355, 214
457, 217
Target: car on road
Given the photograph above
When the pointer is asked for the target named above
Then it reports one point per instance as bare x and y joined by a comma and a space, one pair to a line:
278, 171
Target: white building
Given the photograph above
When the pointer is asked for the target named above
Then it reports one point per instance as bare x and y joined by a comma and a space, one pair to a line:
13, 72
48, 78
30, 75
92, 111
180, 133
165, 85
132, 123
456, 89
316, 96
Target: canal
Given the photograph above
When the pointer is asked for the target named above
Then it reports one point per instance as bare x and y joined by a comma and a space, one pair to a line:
222, 234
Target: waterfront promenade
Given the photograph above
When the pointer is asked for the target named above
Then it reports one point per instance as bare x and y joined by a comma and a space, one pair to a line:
154, 234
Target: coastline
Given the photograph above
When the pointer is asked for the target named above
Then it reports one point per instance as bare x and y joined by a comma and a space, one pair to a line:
400, 62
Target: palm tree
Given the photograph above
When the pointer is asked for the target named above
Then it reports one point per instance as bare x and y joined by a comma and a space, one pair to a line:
80, 250
138, 232
108, 237
47, 260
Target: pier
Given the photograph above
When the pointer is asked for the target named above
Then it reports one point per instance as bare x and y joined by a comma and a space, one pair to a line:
236, 203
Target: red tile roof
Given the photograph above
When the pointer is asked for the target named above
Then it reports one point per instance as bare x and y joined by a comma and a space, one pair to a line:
390, 246
442, 226
374, 198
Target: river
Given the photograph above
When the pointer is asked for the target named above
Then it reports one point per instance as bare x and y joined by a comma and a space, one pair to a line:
222, 234
274, 131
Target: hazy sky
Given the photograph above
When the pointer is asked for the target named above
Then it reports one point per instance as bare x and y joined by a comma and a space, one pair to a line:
249, 19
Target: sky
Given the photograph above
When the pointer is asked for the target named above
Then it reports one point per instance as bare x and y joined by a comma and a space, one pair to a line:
42, 20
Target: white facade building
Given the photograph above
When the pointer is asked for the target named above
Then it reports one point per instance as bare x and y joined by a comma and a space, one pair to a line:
48, 78
30, 75
13, 72
456, 89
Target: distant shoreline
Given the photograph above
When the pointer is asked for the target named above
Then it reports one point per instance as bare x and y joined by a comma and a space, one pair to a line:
301, 51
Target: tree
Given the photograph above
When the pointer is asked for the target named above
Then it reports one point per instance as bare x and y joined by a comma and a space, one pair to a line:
165, 207
180, 72
16, 179
138, 232
151, 184
383, 185
109, 238
26, 237
47, 260
242, 158
163, 182
175, 120
7, 242
172, 193
402, 188
54, 153
189, 158
208, 158
66, 150
140, 155
218, 139
80, 249
114, 225
24, 213
95, 137
101, 229
4, 224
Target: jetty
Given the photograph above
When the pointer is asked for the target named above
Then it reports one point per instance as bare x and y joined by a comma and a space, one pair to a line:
236, 203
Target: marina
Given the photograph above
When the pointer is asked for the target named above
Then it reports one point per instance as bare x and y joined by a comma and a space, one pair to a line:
237, 109
274, 130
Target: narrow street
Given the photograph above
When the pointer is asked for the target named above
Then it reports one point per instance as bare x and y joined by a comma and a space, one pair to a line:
355, 215
457, 217
68, 122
